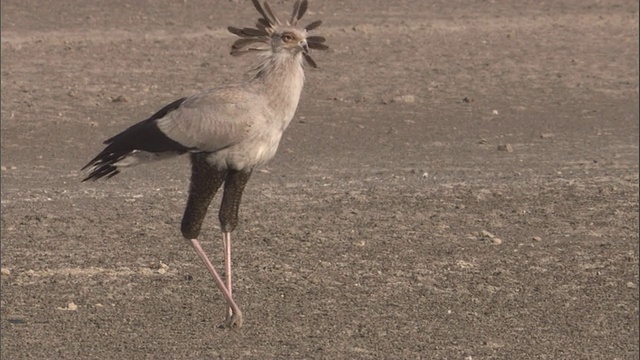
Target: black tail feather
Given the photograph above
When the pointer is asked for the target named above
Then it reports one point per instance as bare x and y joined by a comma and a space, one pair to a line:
143, 136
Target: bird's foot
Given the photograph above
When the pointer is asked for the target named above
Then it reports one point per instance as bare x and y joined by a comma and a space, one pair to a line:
233, 320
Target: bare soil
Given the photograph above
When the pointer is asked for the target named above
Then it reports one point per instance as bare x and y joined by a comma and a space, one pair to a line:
460, 182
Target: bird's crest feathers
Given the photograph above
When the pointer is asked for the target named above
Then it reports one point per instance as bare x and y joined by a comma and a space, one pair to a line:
259, 39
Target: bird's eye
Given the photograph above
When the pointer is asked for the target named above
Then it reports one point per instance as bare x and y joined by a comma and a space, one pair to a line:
287, 37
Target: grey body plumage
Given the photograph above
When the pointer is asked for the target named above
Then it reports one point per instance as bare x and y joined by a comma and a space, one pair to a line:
228, 130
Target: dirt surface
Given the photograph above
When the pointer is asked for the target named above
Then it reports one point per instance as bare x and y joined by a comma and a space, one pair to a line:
460, 182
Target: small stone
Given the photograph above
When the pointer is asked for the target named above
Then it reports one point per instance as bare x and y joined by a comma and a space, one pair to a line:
505, 147
407, 99
157, 265
3, 168
496, 241
119, 98
631, 285
536, 238
5, 272
70, 307
486, 234
547, 135
163, 268
359, 29
146, 271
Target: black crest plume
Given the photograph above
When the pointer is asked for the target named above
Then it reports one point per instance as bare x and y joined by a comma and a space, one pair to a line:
258, 39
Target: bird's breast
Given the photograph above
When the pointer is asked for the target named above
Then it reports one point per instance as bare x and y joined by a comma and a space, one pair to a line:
253, 151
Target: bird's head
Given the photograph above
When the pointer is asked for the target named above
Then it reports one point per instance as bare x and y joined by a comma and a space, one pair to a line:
272, 36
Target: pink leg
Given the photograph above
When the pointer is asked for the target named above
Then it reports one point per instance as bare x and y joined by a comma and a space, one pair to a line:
226, 240
236, 317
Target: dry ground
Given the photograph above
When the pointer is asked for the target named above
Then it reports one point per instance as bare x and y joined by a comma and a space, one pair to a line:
364, 237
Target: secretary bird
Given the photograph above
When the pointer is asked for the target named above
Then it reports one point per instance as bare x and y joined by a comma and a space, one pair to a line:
227, 130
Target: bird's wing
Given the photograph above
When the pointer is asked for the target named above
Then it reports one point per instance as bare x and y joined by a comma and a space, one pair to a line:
212, 120
206, 122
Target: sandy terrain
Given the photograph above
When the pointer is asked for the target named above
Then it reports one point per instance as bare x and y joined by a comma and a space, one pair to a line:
460, 182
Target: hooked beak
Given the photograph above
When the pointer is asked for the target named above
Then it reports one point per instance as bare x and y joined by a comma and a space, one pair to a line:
304, 46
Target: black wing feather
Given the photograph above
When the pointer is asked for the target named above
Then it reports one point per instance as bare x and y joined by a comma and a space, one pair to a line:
145, 136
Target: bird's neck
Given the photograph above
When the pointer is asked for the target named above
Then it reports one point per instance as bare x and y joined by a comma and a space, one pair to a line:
282, 76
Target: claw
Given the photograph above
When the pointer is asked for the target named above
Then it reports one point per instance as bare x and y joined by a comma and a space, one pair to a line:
232, 321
